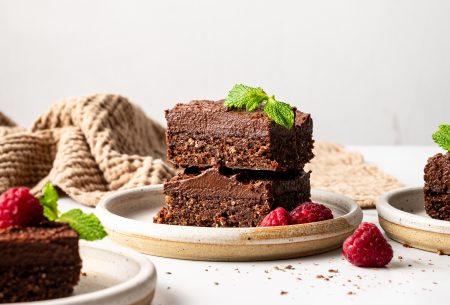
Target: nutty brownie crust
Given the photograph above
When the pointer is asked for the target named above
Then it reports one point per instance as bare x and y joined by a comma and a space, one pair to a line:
205, 133
437, 186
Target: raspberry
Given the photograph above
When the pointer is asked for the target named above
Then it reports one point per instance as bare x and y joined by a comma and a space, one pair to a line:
278, 217
18, 207
310, 212
367, 247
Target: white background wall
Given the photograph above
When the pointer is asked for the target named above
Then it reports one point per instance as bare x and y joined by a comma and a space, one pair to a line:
370, 72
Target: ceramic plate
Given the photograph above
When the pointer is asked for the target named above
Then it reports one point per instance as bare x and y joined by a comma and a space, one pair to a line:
402, 215
112, 276
128, 218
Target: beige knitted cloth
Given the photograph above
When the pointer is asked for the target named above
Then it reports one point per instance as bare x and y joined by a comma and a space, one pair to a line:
337, 170
87, 146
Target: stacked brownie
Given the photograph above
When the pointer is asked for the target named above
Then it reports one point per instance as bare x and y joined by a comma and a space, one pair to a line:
238, 165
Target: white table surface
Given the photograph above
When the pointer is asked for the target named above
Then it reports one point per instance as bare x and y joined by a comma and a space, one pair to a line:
413, 276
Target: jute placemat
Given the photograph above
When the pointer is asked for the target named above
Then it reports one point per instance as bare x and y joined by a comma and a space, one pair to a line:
87, 146
338, 170
90, 146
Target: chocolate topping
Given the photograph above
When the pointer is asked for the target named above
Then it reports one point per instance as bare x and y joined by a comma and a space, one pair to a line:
228, 183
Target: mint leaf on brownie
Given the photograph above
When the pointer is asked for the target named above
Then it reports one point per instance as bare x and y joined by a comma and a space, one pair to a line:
442, 136
88, 226
279, 112
49, 201
241, 96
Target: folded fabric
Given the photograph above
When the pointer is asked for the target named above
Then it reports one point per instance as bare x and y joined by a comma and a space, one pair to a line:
87, 146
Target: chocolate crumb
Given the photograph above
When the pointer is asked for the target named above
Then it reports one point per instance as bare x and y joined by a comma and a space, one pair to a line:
400, 257
279, 269
283, 292
83, 274
320, 276
168, 272
289, 267
216, 283
168, 287
409, 265
351, 293
333, 270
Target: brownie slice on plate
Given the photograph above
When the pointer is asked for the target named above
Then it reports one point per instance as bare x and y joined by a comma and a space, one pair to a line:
230, 198
38, 263
437, 186
206, 133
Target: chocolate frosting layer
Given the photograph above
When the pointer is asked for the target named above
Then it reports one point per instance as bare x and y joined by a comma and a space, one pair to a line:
227, 183
50, 243
212, 118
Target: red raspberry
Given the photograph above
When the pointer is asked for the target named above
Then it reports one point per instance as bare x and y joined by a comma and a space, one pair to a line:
310, 212
278, 217
18, 207
367, 247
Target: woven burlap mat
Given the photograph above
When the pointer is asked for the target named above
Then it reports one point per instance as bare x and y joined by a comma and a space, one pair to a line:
87, 146
338, 170
91, 146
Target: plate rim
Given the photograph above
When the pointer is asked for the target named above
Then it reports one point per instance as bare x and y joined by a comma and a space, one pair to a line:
388, 212
147, 272
353, 217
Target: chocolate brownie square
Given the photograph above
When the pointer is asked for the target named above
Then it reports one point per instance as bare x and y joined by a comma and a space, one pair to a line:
206, 133
230, 198
38, 263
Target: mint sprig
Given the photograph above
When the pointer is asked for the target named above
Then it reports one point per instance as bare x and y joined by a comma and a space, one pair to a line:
442, 136
88, 226
241, 96
49, 201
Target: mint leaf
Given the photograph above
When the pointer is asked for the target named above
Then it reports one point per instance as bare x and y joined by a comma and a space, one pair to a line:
241, 96
49, 201
442, 136
280, 112
88, 226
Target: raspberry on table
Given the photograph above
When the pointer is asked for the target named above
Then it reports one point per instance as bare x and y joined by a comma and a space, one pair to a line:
310, 212
367, 247
18, 207
278, 217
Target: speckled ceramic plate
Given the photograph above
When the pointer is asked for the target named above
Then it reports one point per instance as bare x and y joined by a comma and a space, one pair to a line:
128, 218
402, 215
113, 276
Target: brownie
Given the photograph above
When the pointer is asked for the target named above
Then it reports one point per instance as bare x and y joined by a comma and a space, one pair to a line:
206, 133
224, 197
437, 186
38, 263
